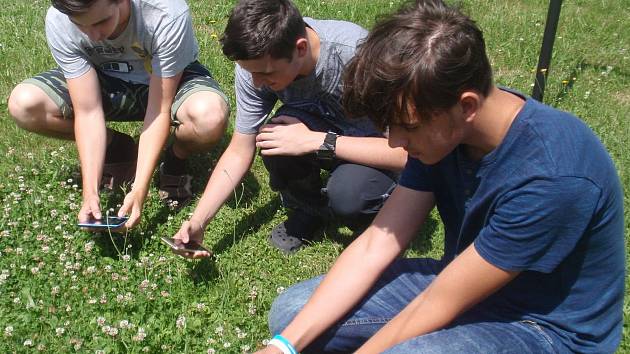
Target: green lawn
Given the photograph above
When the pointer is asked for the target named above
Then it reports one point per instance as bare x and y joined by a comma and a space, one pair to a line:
64, 290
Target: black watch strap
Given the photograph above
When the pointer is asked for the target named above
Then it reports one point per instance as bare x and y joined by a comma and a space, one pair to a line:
326, 151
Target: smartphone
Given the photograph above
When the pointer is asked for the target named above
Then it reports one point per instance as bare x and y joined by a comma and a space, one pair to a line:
111, 222
191, 246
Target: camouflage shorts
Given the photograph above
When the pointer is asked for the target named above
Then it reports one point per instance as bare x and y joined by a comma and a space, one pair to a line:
124, 101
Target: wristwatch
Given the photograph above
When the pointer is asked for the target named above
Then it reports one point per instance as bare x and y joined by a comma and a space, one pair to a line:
326, 151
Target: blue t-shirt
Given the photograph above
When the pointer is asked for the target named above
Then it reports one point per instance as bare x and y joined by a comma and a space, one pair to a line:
547, 202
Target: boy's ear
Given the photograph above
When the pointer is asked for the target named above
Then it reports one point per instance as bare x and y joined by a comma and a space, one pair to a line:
302, 46
470, 103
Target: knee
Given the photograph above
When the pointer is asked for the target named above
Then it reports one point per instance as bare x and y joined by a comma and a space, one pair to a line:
344, 195
344, 202
25, 108
208, 115
288, 304
356, 190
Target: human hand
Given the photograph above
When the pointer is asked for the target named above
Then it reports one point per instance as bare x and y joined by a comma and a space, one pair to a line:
287, 136
90, 210
190, 231
270, 349
133, 202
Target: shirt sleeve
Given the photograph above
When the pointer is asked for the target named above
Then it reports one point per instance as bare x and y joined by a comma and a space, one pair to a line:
68, 56
175, 46
252, 104
536, 226
416, 176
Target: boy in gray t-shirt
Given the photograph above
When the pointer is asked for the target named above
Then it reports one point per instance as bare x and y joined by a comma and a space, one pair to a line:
124, 60
282, 56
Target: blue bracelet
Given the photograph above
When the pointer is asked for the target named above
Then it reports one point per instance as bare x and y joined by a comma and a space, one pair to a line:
285, 342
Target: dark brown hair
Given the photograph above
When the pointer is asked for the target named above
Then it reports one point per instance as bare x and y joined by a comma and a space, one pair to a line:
424, 56
260, 27
74, 7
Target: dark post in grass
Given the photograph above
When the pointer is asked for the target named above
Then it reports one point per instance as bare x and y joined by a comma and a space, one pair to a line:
544, 60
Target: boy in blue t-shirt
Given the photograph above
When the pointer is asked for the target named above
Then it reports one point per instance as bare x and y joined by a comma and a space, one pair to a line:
530, 200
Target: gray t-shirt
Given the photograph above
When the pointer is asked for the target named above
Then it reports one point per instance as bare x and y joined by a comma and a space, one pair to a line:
318, 93
158, 39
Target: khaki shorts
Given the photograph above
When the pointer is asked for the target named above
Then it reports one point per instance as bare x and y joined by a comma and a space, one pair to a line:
124, 101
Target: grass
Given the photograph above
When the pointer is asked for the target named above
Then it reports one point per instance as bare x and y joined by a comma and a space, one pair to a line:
64, 290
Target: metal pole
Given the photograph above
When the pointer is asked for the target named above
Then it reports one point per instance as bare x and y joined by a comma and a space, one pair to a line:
544, 60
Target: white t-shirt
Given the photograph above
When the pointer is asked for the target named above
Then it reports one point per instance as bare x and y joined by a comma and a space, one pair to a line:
158, 39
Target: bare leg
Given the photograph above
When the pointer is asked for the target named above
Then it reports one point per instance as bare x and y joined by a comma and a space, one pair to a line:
204, 119
34, 111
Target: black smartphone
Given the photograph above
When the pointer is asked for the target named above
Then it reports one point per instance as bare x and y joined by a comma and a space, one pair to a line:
110, 222
186, 247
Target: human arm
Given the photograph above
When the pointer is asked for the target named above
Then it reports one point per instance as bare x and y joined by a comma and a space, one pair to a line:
462, 284
288, 136
225, 177
91, 137
155, 131
346, 284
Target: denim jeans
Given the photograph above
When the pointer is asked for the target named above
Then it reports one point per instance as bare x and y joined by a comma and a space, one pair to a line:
473, 332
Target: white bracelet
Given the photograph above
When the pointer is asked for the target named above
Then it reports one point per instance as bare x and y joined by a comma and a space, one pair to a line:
281, 345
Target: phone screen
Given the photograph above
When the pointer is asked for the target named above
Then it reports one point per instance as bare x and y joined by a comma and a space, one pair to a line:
111, 222
187, 247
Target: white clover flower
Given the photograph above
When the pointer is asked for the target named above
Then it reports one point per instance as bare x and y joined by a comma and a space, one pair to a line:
113, 331
227, 345
181, 322
88, 246
8, 331
140, 336
251, 309
28, 343
124, 324
240, 334
280, 289
253, 293
60, 331
219, 330
100, 320
126, 257
76, 343
211, 351
54, 290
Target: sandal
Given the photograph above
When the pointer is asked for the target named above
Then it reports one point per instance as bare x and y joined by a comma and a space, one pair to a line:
299, 228
119, 174
175, 190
